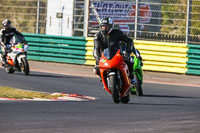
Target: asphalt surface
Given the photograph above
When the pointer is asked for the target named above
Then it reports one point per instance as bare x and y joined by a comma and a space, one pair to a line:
86, 71
163, 108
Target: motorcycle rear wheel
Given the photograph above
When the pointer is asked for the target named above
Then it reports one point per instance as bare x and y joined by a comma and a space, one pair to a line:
9, 69
139, 91
114, 89
25, 66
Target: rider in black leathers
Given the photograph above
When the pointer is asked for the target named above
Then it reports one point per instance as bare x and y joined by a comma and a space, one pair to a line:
5, 36
109, 37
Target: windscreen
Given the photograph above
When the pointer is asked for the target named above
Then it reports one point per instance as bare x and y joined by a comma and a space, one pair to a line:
16, 39
109, 53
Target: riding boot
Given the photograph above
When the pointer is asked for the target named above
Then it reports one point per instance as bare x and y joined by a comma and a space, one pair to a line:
133, 81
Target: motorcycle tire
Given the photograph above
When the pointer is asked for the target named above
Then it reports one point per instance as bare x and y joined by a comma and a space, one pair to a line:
114, 89
25, 66
9, 69
139, 91
125, 99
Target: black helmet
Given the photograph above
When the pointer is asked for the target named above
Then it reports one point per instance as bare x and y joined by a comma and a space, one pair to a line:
106, 25
6, 23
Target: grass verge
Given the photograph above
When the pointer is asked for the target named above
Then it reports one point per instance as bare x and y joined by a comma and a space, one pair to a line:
8, 92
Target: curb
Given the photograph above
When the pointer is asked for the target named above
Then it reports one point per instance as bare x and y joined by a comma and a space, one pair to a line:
65, 97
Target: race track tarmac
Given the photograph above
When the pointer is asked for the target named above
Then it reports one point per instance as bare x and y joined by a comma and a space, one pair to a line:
162, 109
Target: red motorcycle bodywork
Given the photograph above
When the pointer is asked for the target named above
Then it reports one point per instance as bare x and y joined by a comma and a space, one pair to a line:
10, 61
117, 62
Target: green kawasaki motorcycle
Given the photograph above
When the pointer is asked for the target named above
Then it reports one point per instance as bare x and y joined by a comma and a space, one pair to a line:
138, 75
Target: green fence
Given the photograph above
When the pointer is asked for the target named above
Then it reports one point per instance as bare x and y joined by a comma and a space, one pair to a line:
193, 63
56, 48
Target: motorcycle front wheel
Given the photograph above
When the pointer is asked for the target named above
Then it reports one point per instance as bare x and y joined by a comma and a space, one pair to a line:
25, 66
126, 99
114, 89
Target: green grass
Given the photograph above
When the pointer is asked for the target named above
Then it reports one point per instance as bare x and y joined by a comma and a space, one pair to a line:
8, 92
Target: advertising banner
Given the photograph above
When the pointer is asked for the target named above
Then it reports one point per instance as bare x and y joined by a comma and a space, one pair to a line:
121, 12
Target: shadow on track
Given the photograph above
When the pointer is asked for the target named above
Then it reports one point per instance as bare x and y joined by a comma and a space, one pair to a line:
50, 76
41, 75
167, 96
166, 104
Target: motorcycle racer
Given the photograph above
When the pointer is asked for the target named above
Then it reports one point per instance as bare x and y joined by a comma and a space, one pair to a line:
6, 33
109, 37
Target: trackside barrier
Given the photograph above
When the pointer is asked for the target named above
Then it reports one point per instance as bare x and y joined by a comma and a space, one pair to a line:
89, 55
193, 63
163, 56
157, 56
56, 48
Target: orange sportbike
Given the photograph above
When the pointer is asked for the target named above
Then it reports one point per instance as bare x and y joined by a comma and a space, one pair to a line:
115, 75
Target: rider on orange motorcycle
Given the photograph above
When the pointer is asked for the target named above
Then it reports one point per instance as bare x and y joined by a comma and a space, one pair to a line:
5, 35
109, 37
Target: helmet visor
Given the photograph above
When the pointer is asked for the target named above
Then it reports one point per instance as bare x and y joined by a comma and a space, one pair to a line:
105, 27
7, 26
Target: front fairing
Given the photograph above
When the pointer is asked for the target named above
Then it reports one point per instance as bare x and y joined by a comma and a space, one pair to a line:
111, 59
16, 51
17, 44
17, 48
111, 65
138, 69
136, 64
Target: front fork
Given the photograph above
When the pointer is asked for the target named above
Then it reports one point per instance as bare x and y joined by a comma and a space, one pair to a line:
105, 74
19, 58
108, 79
119, 81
